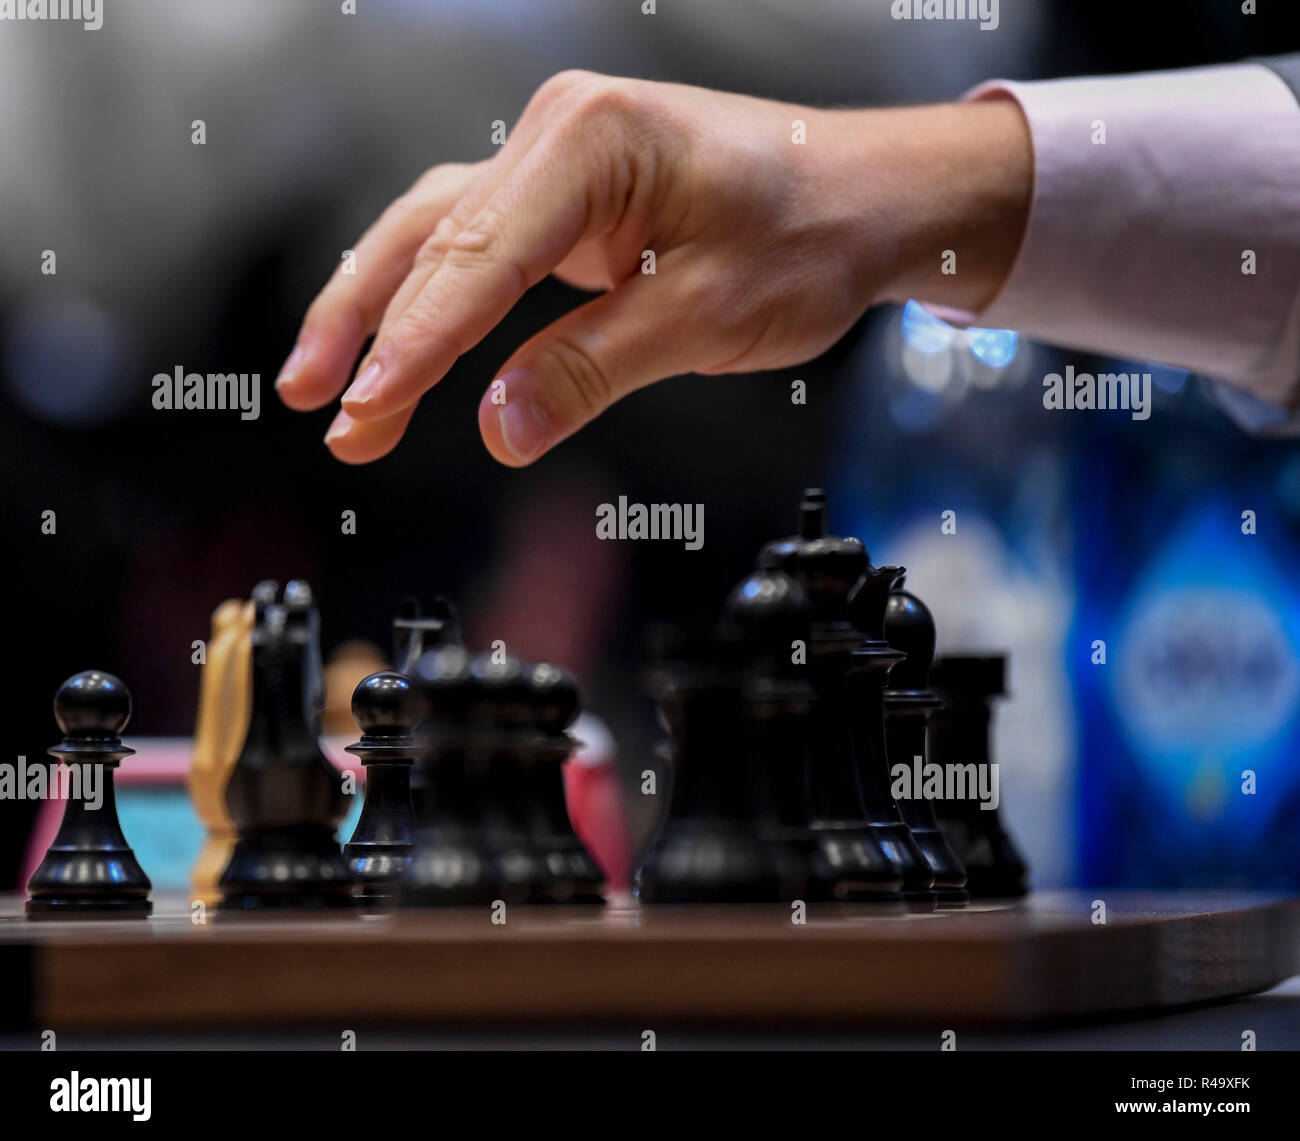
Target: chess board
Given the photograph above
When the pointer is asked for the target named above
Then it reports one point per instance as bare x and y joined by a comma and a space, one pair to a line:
991, 963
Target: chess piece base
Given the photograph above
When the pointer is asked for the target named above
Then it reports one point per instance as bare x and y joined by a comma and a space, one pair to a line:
994, 867
296, 868
74, 907
449, 870
708, 862
569, 876
296, 901
378, 869
101, 880
214, 857
949, 875
845, 862
895, 839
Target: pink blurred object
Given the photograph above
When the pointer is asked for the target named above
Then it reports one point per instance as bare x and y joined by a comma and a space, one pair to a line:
595, 803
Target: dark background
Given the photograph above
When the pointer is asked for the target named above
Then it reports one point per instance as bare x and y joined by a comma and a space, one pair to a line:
206, 257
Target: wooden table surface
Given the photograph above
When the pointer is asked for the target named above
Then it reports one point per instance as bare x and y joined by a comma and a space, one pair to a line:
991, 963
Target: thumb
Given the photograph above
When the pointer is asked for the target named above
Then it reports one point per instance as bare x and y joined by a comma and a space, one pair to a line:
570, 372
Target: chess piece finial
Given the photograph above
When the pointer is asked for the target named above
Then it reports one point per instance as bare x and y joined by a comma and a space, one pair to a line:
92, 707
386, 707
909, 628
297, 594
264, 594
826, 566
812, 513
89, 869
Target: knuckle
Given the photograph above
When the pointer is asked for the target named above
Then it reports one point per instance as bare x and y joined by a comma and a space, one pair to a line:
481, 247
418, 336
434, 248
479, 241
560, 84
605, 99
574, 376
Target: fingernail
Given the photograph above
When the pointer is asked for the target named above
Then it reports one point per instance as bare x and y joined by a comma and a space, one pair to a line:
366, 384
342, 422
291, 366
524, 427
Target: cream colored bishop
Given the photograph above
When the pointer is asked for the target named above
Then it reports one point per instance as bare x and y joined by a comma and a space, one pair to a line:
225, 705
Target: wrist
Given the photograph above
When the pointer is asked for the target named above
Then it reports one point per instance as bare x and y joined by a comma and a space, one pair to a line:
960, 200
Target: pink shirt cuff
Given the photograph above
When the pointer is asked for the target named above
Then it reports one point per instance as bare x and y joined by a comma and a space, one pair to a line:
1135, 246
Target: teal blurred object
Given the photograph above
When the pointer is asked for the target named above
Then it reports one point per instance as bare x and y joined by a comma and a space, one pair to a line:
166, 835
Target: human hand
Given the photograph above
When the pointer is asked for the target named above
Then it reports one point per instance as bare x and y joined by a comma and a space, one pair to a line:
766, 250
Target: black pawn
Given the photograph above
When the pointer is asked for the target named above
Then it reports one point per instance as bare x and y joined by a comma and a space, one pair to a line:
847, 861
709, 850
386, 707
909, 702
568, 874
450, 862
284, 797
498, 743
868, 665
959, 735
90, 871
772, 611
